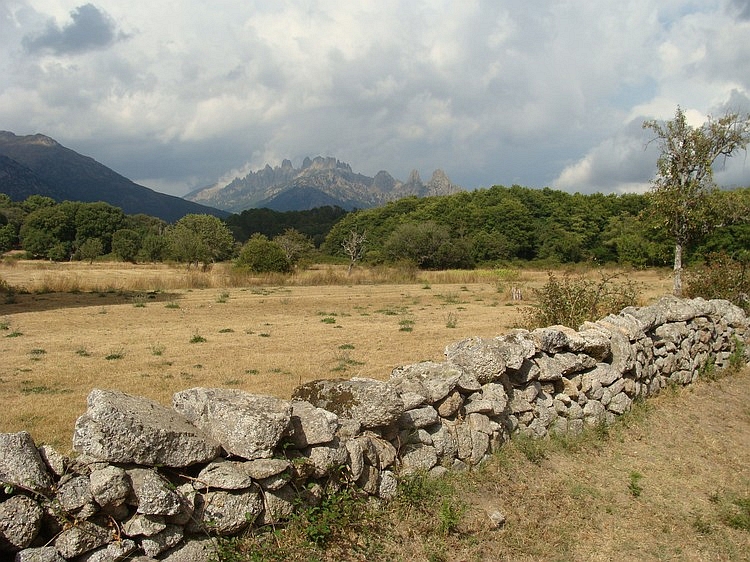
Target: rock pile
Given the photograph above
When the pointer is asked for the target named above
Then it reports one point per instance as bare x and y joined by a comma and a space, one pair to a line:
158, 482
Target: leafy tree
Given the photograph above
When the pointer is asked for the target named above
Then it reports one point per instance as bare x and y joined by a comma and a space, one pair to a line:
91, 249
295, 245
34, 202
681, 190
7, 237
186, 245
154, 247
428, 245
125, 244
261, 255
215, 240
97, 220
49, 232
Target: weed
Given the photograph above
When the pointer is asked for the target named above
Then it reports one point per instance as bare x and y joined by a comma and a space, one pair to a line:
115, 355
264, 335
226, 331
157, 349
4, 326
572, 300
81, 352
450, 298
37, 353
346, 346
328, 320
345, 361
251, 371
139, 300
197, 338
449, 516
407, 325
451, 320
172, 304
634, 484
535, 450
701, 525
734, 510
233, 382
737, 358
26, 388
427, 286
14, 334
223, 297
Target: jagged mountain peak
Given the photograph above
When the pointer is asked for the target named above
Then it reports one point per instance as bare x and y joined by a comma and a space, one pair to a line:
319, 180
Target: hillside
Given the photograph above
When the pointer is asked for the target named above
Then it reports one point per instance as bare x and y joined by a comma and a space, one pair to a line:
37, 164
317, 182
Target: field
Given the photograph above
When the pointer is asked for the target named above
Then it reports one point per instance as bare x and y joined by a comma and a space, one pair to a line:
152, 330
670, 483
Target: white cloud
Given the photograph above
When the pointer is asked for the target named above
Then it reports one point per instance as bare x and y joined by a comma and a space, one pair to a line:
512, 92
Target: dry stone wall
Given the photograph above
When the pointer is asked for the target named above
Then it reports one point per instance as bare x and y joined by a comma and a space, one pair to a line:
158, 483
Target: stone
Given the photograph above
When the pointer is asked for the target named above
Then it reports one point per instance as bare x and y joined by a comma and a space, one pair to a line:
593, 412
527, 372
433, 381
418, 458
480, 357
113, 552
121, 428
620, 403
311, 425
152, 494
81, 538
355, 457
226, 513
412, 400
516, 347
603, 374
421, 417
377, 452
21, 465
195, 550
110, 486
20, 522
372, 403
261, 469
324, 458
369, 480
41, 554
55, 462
443, 441
143, 525
247, 425
223, 474
74, 494
388, 485
169, 537
551, 339
450, 405
278, 505
497, 518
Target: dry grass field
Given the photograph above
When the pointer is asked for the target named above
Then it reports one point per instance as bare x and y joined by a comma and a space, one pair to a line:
152, 330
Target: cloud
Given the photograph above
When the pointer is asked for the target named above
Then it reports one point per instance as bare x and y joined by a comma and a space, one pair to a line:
491, 92
89, 29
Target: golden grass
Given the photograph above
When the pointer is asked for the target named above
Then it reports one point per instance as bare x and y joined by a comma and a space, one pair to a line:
129, 327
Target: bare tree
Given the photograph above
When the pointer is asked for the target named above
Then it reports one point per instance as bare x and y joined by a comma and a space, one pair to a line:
354, 247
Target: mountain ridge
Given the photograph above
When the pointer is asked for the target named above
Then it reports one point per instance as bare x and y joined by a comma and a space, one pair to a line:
39, 165
318, 181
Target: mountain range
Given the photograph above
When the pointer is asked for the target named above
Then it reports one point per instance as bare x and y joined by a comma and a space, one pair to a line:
39, 165
319, 181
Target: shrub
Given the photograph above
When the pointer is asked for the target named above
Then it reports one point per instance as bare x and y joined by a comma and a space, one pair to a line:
721, 277
261, 255
573, 299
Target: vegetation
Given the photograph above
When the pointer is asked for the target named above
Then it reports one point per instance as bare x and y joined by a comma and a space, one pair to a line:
721, 277
570, 299
682, 191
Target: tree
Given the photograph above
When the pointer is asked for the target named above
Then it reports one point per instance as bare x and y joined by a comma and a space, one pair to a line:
681, 191
295, 245
354, 247
125, 244
261, 255
90, 249
215, 237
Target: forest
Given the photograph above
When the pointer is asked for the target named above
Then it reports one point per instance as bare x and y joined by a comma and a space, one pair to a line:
485, 227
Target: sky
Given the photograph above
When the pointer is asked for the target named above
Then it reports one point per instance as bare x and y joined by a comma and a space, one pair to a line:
182, 94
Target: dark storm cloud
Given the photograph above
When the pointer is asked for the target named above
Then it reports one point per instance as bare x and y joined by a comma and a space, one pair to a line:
90, 29
742, 8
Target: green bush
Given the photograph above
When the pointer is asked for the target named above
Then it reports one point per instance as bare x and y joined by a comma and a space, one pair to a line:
721, 277
261, 255
571, 300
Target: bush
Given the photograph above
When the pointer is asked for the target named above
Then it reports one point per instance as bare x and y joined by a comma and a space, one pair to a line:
261, 255
721, 277
572, 300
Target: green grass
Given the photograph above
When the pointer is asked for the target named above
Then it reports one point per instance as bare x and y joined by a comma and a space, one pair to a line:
197, 338
115, 355
172, 304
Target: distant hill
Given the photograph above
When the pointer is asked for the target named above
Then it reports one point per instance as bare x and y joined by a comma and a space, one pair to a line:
318, 182
37, 164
